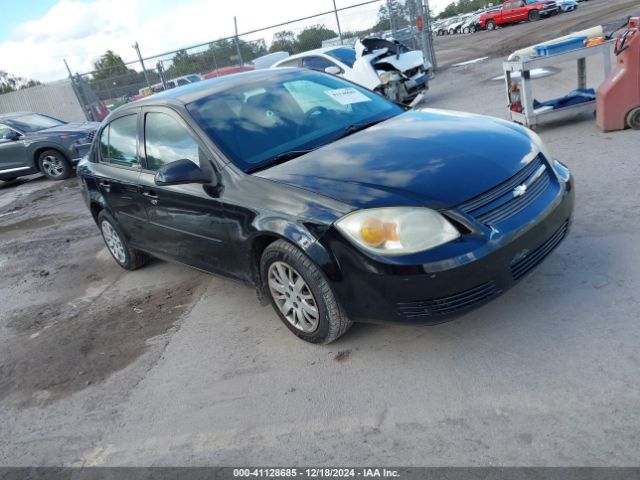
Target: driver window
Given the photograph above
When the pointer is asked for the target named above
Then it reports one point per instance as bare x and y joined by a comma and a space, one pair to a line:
3, 131
166, 141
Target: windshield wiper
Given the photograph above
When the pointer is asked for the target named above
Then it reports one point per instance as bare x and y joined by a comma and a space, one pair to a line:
356, 127
280, 158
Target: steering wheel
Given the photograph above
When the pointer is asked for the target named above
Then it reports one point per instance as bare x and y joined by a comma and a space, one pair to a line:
318, 109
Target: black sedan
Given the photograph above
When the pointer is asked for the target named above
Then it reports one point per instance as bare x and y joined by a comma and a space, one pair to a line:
31, 143
336, 204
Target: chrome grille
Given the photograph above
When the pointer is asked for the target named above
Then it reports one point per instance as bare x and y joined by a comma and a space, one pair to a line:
505, 201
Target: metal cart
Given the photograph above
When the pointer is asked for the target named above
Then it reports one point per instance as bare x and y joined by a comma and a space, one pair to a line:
528, 116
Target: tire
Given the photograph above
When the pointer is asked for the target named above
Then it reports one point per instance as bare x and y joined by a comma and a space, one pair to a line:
466, 30
491, 25
534, 15
54, 165
127, 257
283, 266
633, 119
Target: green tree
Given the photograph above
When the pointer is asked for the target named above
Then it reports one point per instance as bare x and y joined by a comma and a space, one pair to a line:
11, 83
284, 41
109, 64
312, 37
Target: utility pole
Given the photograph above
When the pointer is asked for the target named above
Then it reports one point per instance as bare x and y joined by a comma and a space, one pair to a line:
335, 10
144, 70
235, 24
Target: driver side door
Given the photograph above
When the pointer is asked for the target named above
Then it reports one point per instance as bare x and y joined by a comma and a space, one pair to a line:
185, 222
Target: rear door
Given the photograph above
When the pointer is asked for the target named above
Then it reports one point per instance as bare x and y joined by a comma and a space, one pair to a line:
117, 173
13, 154
185, 222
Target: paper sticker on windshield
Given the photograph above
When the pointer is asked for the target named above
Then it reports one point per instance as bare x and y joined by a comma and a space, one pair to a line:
347, 96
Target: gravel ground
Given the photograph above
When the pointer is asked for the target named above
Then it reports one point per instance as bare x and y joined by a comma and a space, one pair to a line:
167, 366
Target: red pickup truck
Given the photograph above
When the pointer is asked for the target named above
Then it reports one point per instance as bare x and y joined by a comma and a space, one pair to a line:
514, 11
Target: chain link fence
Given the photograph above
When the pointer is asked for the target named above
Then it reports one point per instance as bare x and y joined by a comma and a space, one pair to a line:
115, 82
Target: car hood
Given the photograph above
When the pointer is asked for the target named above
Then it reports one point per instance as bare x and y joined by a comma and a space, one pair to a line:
78, 127
424, 157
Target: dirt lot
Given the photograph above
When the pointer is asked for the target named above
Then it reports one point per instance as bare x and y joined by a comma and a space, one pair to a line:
167, 366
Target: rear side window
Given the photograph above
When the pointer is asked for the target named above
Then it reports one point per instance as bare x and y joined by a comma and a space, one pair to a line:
118, 142
317, 63
166, 141
291, 63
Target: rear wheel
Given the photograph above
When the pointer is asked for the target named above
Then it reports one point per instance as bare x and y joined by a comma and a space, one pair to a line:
300, 294
465, 30
534, 15
54, 165
491, 25
633, 119
127, 257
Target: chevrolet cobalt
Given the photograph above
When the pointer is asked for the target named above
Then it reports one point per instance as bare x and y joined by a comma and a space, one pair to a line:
336, 204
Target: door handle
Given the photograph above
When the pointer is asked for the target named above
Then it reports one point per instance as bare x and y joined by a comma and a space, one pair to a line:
151, 195
105, 185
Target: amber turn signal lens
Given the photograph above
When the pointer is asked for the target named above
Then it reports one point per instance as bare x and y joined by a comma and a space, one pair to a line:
375, 232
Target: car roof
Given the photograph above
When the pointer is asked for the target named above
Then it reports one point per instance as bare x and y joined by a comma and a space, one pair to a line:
314, 52
195, 91
7, 116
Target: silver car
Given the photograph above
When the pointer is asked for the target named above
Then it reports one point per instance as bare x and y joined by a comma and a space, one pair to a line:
32, 143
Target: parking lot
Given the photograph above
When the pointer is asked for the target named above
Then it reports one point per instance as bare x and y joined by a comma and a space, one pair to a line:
169, 366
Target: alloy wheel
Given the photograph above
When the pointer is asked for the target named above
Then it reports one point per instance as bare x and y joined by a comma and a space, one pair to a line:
293, 297
114, 244
53, 166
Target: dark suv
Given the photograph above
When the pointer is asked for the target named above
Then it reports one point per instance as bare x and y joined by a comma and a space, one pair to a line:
31, 143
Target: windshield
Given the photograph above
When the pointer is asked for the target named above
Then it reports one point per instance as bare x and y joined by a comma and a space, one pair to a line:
256, 122
33, 122
344, 55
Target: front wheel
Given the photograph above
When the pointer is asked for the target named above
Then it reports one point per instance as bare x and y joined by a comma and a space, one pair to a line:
300, 294
534, 15
633, 119
491, 25
54, 165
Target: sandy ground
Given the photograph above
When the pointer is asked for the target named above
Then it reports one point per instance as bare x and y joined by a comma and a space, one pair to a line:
167, 366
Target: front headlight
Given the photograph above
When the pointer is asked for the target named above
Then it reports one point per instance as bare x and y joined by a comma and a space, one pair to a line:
397, 230
386, 77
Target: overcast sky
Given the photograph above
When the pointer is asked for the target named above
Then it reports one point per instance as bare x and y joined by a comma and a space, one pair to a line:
36, 35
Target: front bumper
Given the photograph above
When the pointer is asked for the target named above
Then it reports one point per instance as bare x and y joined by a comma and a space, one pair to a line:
431, 292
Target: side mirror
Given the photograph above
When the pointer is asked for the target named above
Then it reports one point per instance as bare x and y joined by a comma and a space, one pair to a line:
333, 70
181, 172
11, 135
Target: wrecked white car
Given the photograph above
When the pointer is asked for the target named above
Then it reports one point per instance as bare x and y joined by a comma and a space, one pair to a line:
385, 66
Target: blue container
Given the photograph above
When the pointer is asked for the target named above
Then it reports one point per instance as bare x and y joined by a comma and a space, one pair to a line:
560, 47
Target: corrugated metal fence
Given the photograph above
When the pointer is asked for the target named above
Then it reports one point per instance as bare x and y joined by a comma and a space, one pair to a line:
56, 99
